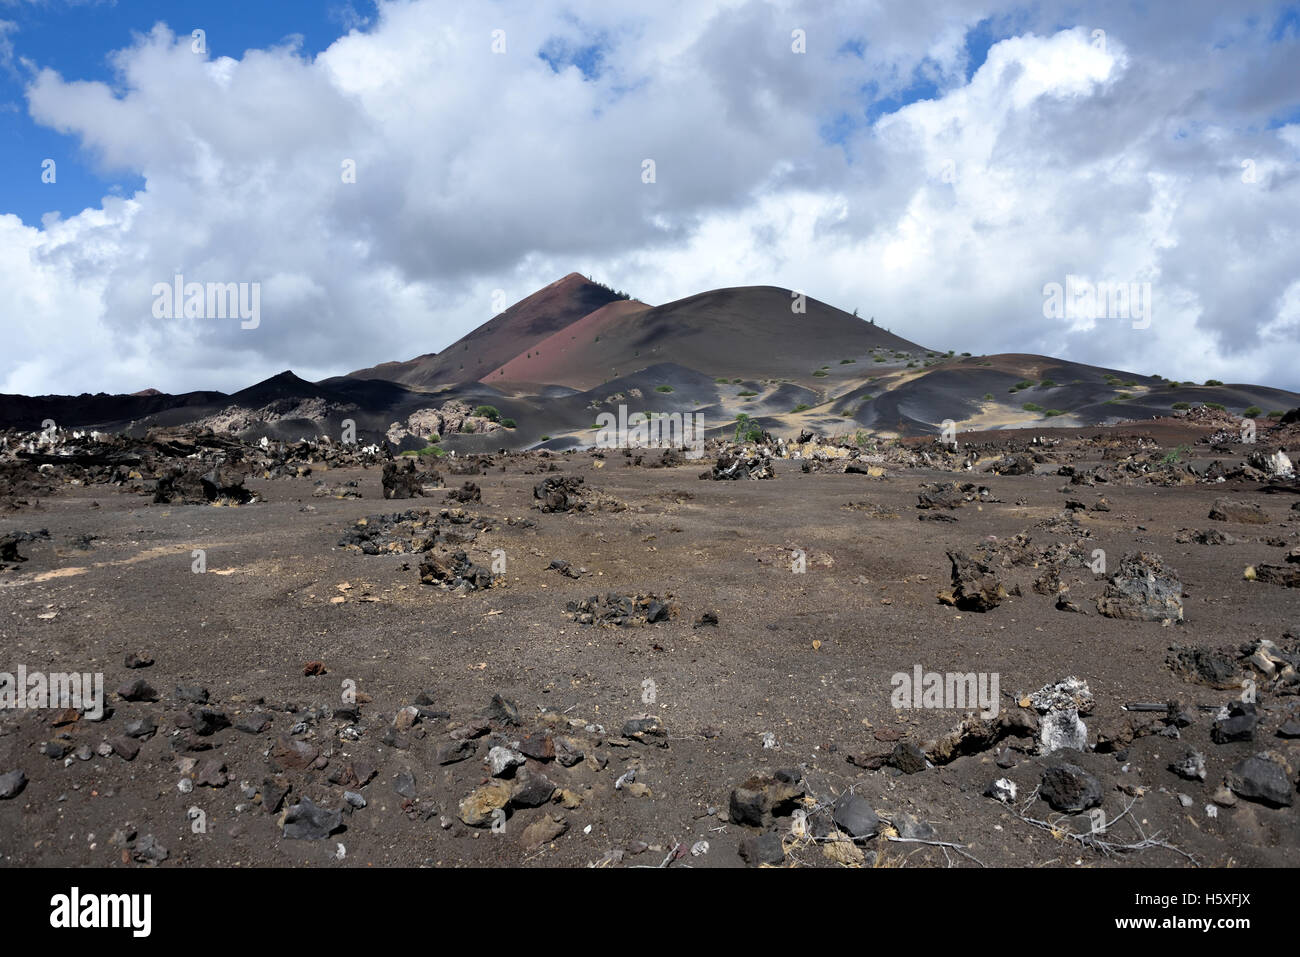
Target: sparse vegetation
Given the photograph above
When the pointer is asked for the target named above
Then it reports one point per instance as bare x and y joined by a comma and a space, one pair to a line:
663, 388
747, 429
1053, 412
1032, 407
821, 373
618, 293
747, 393
801, 407
1176, 456
988, 396
1182, 406
1046, 384
1253, 412
845, 362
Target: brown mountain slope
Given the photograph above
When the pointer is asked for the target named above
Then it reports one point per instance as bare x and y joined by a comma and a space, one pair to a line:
749, 332
501, 338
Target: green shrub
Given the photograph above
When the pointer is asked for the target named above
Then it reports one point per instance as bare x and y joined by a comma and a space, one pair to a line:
820, 373
1213, 382
1046, 384
1216, 405
1253, 412
747, 393
845, 362
1051, 412
490, 412
1180, 406
1032, 407
988, 396
801, 407
546, 438
663, 388
509, 423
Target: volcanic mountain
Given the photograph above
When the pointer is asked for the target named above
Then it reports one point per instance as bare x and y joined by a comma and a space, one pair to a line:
501, 338
551, 363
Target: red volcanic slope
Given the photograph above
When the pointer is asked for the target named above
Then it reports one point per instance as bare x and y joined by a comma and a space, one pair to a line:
501, 338
749, 332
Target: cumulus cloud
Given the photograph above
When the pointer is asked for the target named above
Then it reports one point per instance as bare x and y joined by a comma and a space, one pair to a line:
1136, 148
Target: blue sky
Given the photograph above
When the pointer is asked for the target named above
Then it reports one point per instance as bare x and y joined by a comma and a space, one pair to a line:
77, 40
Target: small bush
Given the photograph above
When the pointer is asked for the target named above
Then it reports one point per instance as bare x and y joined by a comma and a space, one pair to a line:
663, 388
820, 373
988, 396
1046, 384
1181, 406
490, 412
1032, 407
510, 423
1051, 412
1213, 382
801, 407
747, 393
546, 438
845, 362
1253, 412
1216, 405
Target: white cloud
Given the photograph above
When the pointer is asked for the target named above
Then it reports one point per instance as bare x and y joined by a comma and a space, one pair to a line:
478, 171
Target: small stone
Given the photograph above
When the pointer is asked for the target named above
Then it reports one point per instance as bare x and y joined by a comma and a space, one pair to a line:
1070, 789
503, 710
1261, 778
305, 821
137, 690
404, 785
1239, 725
149, 851
212, 774
500, 760
143, 728
476, 808
124, 747
543, 831
763, 849
449, 752
1224, 797
908, 758
254, 723
534, 790
192, 693
1191, 766
12, 784
855, 817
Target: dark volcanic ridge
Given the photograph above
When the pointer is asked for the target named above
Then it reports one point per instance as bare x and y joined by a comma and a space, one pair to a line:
540, 373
